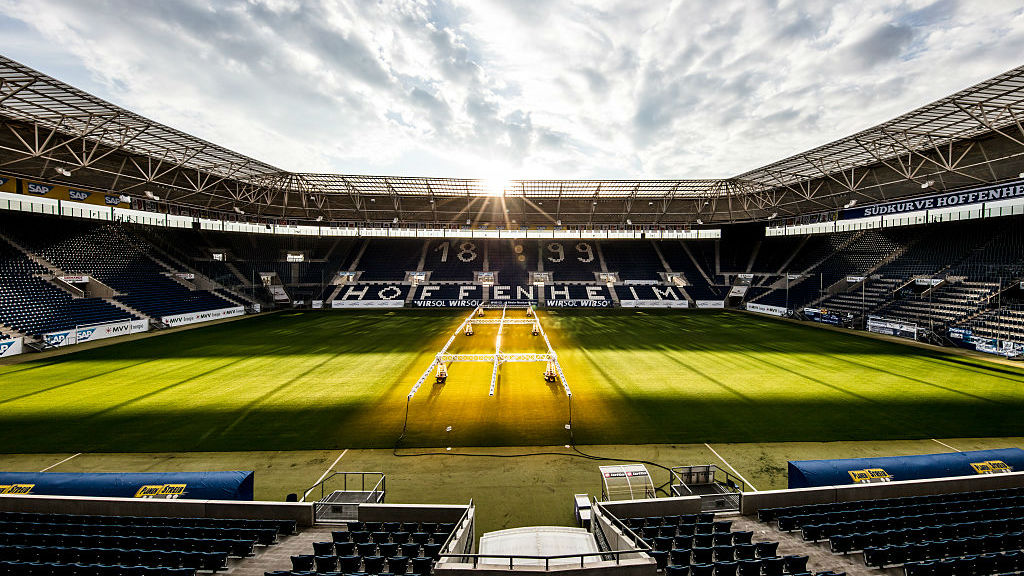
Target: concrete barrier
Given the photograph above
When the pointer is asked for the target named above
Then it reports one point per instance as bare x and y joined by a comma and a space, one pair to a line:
410, 513
751, 502
654, 507
301, 513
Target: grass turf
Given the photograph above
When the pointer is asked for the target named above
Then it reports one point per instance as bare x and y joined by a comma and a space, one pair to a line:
324, 380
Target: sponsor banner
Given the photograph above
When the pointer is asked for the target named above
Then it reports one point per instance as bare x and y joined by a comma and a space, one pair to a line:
10, 347
185, 275
654, 303
336, 304
37, 188
78, 195
317, 304
823, 316
61, 338
710, 303
298, 302
928, 281
257, 308
855, 279
641, 282
766, 309
205, 316
892, 327
745, 276
972, 196
578, 303
74, 279
962, 334
450, 303
739, 290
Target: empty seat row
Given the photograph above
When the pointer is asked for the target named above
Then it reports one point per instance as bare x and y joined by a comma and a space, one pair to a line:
282, 526
844, 543
770, 514
980, 565
8, 568
996, 519
386, 549
212, 561
356, 564
895, 554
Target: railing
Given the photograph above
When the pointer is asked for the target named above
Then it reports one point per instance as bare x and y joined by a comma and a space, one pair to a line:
465, 519
475, 558
709, 475
324, 507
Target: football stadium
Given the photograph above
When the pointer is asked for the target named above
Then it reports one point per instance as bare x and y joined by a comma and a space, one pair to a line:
209, 364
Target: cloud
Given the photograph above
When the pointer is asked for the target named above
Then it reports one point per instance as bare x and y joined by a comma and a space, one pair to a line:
582, 88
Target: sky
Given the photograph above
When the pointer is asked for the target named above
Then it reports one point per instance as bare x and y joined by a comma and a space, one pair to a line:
518, 88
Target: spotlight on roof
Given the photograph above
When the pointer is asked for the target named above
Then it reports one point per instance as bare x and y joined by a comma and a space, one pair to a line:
395, 221
151, 196
319, 218
629, 222
238, 210
468, 221
774, 215
558, 222
699, 221
1021, 175
927, 184
63, 171
850, 204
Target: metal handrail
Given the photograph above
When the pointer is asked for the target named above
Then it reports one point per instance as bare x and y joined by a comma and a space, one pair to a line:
380, 483
547, 559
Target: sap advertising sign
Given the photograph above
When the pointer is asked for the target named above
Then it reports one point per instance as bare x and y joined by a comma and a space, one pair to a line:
36, 188
98, 332
10, 347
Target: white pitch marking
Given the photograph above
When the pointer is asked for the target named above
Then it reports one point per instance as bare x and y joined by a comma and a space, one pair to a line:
326, 472
61, 462
946, 445
745, 481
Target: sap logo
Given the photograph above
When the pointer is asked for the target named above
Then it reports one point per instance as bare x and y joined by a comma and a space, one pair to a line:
112, 200
78, 195
86, 334
58, 338
161, 491
991, 467
870, 476
34, 188
16, 488
5, 347
4, 181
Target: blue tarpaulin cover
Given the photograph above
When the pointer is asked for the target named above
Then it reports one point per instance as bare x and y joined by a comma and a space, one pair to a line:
234, 485
808, 473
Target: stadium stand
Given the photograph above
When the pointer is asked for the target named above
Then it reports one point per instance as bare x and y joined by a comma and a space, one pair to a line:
34, 306
378, 547
42, 543
974, 532
633, 260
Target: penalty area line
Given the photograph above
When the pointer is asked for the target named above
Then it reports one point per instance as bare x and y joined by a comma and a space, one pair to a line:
946, 445
328, 471
745, 481
61, 462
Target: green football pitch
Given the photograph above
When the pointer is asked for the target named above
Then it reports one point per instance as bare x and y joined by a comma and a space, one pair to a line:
288, 393
322, 380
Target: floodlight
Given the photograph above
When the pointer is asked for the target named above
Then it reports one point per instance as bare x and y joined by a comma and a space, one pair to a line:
151, 196
699, 221
238, 210
927, 184
395, 221
774, 214
629, 222
63, 171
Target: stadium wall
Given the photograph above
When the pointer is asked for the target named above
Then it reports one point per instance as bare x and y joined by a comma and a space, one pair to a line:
301, 512
751, 502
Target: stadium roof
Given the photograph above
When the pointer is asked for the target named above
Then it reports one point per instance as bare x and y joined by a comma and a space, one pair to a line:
52, 129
